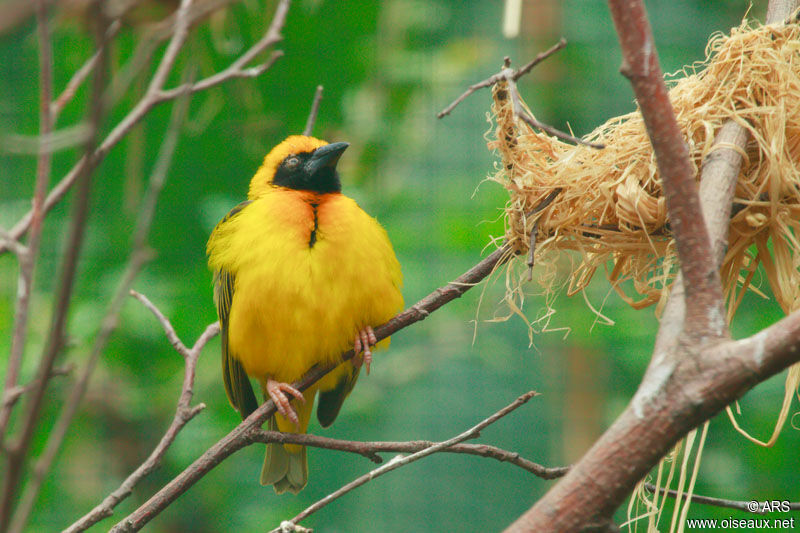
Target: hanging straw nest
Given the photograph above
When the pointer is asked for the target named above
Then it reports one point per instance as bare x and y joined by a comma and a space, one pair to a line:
611, 209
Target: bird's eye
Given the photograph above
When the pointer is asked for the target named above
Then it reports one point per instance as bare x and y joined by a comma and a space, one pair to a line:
292, 162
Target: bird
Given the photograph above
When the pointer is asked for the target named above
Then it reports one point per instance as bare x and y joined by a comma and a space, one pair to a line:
301, 275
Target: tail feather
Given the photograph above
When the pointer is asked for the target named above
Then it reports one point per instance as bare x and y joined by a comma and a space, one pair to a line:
285, 470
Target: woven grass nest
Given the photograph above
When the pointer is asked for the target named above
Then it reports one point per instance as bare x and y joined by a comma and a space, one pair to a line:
611, 210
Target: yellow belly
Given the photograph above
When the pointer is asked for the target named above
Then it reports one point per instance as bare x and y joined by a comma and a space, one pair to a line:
295, 304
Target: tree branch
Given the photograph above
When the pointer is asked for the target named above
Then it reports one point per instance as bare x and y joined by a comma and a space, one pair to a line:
138, 257
155, 97
370, 450
312, 115
16, 452
510, 76
705, 315
242, 435
690, 379
28, 255
82, 73
399, 460
183, 414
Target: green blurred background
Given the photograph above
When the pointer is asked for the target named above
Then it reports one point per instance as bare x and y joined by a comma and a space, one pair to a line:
387, 68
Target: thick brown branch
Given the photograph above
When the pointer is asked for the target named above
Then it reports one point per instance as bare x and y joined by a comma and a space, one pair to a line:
686, 383
704, 304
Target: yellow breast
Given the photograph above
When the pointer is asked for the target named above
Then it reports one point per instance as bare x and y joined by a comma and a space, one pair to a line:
310, 271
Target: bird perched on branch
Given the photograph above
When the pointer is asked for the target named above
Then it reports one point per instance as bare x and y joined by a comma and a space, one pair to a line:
302, 274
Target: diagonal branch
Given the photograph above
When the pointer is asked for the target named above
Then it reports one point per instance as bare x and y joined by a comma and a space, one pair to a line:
399, 460
312, 115
153, 98
242, 435
510, 76
689, 380
183, 414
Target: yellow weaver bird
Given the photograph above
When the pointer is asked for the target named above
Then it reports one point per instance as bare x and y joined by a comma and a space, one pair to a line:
301, 275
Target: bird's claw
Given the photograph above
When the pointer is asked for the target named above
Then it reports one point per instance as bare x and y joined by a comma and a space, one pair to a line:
364, 341
276, 391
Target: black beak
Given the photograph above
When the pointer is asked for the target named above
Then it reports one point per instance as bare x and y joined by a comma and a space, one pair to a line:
325, 156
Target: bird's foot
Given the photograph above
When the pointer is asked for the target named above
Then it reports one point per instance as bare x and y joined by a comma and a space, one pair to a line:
365, 340
276, 391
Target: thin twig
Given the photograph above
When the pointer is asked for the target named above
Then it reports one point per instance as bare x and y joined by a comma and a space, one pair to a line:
12, 244
81, 74
28, 255
399, 461
14, 394
312, 115
519, 110
510, 77
717, 502
151, 99
241, 435
183, 414
169, 331
539, 58
370, 450
502, 75
532, 244
138, 257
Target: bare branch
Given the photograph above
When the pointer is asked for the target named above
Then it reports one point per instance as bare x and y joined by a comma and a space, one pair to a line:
704, 303
10, 243
539, 58
242, 435
519, 110
17, 451
81, 74
183, 414
27, 255
688, 380
716, 502
510, 77
15, 393
312, 115
138, 257
399, 461
515, 75
155, 97
370, 450
164, 321
488, 82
